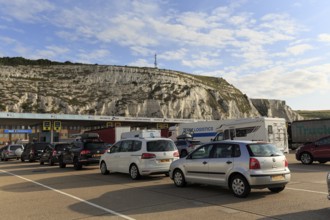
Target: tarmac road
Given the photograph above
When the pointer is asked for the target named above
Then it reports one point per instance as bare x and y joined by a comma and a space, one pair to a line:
32, 191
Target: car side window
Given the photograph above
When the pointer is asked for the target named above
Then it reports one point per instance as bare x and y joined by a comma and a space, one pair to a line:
137, 145
202, 152
323, 141
126, 146
225, 151
115, 148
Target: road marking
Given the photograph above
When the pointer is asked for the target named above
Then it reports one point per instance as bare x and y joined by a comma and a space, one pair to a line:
306, 190
71, 196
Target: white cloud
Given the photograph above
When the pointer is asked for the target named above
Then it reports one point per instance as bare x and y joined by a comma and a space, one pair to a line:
324, 37
25, 10
173, 55
141, 63
299, 49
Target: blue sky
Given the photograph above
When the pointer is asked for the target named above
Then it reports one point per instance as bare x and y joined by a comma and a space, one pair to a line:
266, 48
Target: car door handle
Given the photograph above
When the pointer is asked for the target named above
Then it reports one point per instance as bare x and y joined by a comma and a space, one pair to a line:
205, 162
229, 162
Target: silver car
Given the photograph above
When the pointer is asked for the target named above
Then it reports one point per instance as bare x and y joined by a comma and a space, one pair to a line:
238, 165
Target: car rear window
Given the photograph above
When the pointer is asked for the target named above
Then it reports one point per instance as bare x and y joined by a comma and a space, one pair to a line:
95, 146
264, 150
160, 145
15, 147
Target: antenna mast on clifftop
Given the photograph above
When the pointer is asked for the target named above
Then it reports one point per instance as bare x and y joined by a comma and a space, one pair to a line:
155, 60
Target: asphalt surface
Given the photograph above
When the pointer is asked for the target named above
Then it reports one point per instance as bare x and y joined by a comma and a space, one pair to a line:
33, 191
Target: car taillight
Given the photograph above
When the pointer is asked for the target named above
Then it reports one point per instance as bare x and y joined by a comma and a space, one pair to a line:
54, 152
286, 164
147, 156
83, 152
176, 154
254, 164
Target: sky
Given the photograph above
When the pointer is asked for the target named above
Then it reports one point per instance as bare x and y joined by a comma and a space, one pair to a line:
267, 49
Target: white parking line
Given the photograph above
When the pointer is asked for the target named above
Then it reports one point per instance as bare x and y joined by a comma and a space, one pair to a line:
306, 190
71, 196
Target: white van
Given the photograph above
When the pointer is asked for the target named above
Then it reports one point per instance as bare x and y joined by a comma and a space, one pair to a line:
139, 157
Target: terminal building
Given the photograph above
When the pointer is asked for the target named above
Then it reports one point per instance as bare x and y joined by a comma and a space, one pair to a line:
15, 127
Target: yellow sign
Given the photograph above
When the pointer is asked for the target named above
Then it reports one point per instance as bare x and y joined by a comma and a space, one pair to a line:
46, 125
162, 125
57, 126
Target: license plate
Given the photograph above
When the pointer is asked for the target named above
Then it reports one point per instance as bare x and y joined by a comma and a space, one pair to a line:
96, 155
278, 178
164, 160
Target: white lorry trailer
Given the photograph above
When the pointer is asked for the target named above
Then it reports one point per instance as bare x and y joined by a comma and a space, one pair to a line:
271, 130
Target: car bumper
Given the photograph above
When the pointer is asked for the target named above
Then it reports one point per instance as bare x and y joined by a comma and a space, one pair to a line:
262, 181
89, 161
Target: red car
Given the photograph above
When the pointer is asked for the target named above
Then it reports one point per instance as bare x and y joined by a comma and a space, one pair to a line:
314, 151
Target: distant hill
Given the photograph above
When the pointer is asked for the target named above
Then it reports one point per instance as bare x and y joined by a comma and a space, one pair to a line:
44, 86
322, 114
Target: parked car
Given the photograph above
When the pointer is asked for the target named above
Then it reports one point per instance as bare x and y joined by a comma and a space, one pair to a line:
9, 151
140, 157
85, 151
314, 151
186, 145
33, 151
51, 152
328, 183
238, 165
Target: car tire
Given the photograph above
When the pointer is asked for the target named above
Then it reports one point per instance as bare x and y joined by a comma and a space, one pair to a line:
306, 158
276, 189
61, 164
104, 169
41, 162
134, 172
183, 153
22, 159
76, 164
178, 178
30, 159
240, 186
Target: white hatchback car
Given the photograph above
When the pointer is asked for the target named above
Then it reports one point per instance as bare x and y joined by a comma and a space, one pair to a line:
237, 165
139, 157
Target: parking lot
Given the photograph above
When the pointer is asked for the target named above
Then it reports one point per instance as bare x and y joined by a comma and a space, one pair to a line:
33, 191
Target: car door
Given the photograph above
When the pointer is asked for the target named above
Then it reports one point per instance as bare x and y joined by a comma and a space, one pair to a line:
111, 158
124, 157
322, 149
196, 165
221, 162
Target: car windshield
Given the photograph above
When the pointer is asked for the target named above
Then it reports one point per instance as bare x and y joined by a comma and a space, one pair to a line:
264, 150
95, 146
15, 147
160, 145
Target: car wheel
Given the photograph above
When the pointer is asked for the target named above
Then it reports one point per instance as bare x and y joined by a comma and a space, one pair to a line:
104, 169
134, 172
276, 189
183, 153
61, 164
41, 162
76, 164
30, 158
306, 158
239, 186
22, 159
178, 178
